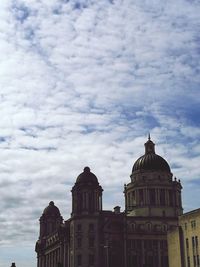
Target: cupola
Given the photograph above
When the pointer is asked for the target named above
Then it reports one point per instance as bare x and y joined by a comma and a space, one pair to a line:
150, 161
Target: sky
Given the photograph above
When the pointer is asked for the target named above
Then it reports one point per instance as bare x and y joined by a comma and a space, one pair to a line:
82, 83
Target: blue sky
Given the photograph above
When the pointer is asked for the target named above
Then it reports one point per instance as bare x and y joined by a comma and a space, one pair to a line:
82, 83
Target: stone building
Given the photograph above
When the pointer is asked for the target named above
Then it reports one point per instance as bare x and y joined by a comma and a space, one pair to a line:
135, 237
183, 241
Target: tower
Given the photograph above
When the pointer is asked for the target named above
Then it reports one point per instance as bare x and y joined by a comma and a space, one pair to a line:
86, 194
50, 220
152, 191
84, 222
49, 253
152, 206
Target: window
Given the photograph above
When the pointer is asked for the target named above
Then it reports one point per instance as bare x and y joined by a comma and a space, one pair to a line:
185, 226
79, 227
163, 244
91, 259
91, 242
196, 241
91, 227
148, 244
139, 244
149, 226
171, 198
193, 224
79, 242
133, 227
152, 196
155, 244
163, 213
129, 199
188, 261
79, 260
187, 243
129, 243
198, 262
141, 197
194, 259
162, 197
193, 242
164, 227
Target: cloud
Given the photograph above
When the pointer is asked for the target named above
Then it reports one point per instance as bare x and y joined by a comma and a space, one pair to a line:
82, 83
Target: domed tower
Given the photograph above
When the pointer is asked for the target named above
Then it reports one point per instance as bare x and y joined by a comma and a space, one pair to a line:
84, 223
86, 194
152, 191
50, 220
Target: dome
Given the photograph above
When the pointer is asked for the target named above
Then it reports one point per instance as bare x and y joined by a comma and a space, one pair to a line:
87, 177
150, 161
51, 210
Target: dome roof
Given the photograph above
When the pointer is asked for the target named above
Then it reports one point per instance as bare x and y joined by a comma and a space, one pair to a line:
51, 210
87, 177
150, 161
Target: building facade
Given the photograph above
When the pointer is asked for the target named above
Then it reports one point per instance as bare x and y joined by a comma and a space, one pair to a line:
183, 241
135, 237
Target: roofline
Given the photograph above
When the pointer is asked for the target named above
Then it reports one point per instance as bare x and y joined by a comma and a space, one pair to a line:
190, 212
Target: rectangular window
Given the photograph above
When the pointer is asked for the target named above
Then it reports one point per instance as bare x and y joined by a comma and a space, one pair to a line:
133, 244
193, 224
79, 260
152, 196
141, 197
139, 244
193, 242
79, 227
79, 242
196, 241
188, 261
171, 198
162, 197
187, 243
155, 244
129, 200
91, 227
134, 260
91, 242
91, 259
185, 226
194, 259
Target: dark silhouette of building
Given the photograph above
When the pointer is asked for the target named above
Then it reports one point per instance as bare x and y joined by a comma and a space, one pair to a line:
93, 237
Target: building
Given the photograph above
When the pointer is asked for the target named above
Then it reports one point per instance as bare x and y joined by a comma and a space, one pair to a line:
183, 241
93, 237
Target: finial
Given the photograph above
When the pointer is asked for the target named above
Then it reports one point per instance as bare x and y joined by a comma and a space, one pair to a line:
51, 203
86, 169
149, 137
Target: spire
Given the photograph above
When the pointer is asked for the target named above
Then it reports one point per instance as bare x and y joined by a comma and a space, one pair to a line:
149, 136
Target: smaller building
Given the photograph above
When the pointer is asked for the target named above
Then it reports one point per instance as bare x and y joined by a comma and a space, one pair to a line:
183, 241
